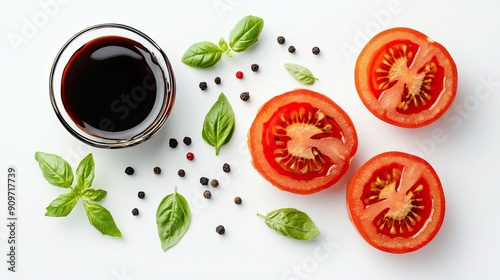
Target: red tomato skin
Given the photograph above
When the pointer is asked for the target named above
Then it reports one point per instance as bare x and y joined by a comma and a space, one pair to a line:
363, 79
364, 225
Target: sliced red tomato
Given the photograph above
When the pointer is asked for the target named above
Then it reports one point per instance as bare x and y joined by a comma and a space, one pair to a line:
405, 78
396, 202
302, 142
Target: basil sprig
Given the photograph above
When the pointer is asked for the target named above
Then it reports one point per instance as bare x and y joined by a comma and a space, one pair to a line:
58, 172
172, 219
206, 54
292, 223
219, 123
300, 73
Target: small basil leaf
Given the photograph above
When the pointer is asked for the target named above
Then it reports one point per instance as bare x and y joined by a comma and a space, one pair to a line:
62, 205
219, 123
300, 73
55, 170
245, 33
85, 172
292, 223
225, 47
101, 219
202, 55
172, 219
94, 195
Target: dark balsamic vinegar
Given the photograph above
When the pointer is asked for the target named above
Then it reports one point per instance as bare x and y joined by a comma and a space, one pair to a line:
109, 85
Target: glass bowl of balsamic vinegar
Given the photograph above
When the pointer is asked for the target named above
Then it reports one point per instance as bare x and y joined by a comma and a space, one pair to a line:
112, 86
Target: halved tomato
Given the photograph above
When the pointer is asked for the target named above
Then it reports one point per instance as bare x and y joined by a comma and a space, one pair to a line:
405, 78
396, 202
302, 142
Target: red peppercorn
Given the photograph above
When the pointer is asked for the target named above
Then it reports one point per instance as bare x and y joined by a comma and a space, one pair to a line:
190, 156
239, 75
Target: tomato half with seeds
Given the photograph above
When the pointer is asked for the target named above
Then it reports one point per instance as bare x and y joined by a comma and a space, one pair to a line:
302, 142
396, 202
405, 78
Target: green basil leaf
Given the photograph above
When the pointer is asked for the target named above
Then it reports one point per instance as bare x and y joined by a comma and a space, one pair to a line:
172, 219
101, 219
94, 195
85, 172
202, 55
219, 124
62, 205
55, 170
300, 73
225, 47
292, 223
245, 33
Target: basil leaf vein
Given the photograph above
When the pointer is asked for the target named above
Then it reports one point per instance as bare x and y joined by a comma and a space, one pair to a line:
55, 169
202, 55
292, 223
62, 205
245, 33
94, 195
172, 219
300, 73
219, 123
101, 219
85, 172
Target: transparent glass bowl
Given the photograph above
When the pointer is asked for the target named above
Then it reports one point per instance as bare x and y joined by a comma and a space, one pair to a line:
165, 94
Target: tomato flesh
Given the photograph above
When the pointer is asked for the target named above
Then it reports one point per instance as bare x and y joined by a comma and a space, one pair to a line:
405, 79
302, 141
396, 202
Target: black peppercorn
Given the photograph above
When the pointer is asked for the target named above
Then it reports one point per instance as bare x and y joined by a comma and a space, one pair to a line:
141, 194
129, 170
281, 40
217, 80
245, 96
172, 143
226, 168
203, 85
187, 140
157, 170
291, 49
237, 200
135, 211
181, 173
207, 194
214, 183
316, 50
204, 181
254, 67
220, 229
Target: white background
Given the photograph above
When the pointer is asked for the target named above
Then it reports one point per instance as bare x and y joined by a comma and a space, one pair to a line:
465, 155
